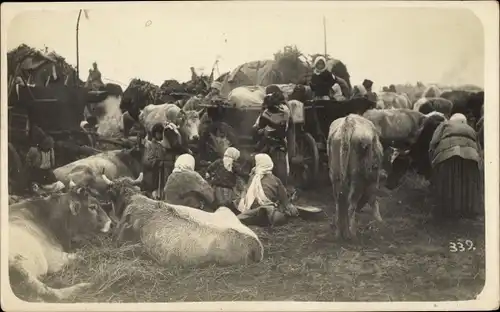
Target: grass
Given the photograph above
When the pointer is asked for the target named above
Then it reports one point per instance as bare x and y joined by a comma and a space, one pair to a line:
405, 259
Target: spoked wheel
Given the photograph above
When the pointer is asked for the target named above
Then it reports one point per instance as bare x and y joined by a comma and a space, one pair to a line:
304, 166
215, 142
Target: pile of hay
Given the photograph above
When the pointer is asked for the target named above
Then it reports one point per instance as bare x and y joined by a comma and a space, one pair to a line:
31, 59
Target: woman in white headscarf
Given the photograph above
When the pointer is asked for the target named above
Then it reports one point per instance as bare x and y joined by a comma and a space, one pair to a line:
455, 162
265, 198
323, 82
223, 175
187, 187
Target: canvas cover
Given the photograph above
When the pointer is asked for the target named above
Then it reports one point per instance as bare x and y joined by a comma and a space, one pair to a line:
247, 97
256, 73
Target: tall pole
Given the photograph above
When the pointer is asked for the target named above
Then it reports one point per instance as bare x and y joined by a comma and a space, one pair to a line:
77, 78
324, 32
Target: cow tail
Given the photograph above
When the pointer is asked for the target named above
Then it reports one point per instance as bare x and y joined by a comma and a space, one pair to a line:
345, 146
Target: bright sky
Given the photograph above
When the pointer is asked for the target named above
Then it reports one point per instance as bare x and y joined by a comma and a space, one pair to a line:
387, 45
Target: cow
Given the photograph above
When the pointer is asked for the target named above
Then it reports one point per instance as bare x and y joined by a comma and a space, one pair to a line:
396, 127
188, 121
87, 171
138, 95
431, 91
40, 234
437, 104
354, 160
387, 100
417, 156
466, 103
179, 235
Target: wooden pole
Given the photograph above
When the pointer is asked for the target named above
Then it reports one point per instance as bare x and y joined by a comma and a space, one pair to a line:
324, 33
77, 49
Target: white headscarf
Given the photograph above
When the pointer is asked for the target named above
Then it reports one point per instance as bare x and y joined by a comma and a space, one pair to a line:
459, 118
185, 162
319, 71
230, 155
263, 165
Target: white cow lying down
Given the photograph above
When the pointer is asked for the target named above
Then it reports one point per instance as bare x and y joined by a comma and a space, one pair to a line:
180, 235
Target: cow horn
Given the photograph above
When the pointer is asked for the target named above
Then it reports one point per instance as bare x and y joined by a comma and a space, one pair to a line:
139, 179
108, 181
71, 183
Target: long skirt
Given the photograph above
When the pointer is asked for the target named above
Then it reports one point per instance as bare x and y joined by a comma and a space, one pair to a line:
224, 196
280, 168
456, 182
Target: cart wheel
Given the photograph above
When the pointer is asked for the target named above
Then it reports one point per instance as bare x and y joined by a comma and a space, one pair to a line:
305, 165
16, 172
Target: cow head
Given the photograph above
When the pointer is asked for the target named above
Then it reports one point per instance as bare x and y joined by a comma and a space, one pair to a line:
120, 191
85, 213
189, 123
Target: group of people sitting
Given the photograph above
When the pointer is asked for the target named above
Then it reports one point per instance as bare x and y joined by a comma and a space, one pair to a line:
170, 170
258, 197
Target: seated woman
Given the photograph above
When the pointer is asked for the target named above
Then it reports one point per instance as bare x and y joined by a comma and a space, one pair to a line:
187, 187
40, 161
455, 161
222, 175
265, 199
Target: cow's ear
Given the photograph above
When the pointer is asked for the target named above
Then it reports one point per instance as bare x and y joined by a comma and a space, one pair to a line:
81, 191
74, 207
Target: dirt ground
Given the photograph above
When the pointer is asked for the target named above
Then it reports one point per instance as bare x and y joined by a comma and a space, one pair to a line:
406, 259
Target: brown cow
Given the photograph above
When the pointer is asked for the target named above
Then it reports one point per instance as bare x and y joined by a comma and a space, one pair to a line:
354, 160
40, 233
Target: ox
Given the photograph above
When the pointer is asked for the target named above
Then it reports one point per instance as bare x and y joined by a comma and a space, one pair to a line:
396, 126
387, 100
188, 121
40, 230
466, 103
354, 159
87, 171
180, 235
436, 104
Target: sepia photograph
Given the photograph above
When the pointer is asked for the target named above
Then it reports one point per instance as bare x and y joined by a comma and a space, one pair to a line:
250, 151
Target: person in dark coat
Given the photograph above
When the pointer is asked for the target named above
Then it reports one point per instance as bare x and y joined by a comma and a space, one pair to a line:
322, 80
368, 84
40, 162
272, 129
455, 161
223, 175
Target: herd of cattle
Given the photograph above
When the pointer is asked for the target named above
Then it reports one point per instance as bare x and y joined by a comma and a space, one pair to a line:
49, 227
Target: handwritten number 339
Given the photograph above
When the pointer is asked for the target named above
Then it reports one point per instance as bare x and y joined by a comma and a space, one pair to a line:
459, 246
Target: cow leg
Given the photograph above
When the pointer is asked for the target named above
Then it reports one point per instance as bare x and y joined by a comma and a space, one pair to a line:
353, 200
373, 203
44, 291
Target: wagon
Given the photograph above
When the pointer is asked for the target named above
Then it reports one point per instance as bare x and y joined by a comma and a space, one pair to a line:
58, 111
307, 140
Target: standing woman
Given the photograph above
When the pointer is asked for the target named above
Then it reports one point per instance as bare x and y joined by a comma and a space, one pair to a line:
455, 162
